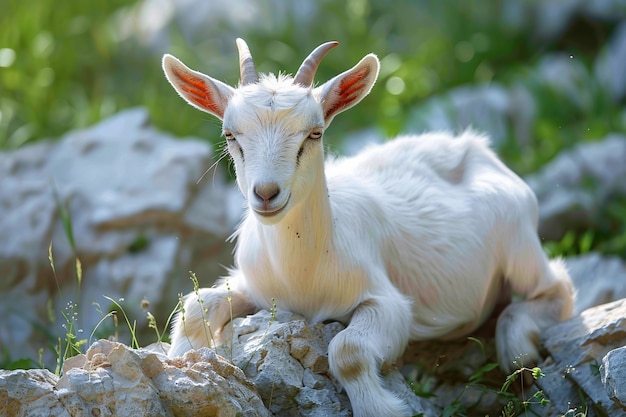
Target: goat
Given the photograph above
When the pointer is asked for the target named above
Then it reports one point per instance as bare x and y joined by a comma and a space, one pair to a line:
412, 239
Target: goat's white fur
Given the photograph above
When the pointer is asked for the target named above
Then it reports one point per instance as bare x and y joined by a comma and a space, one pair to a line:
412, 239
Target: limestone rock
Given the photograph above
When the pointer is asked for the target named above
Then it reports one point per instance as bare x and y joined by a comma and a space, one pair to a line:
597, 279
577, 348
282, 370
487, 108
139, 222
29, 393
548, 19
573, 187
287, 359
464, 371
613, 373
609, 65
568, 79
113, 380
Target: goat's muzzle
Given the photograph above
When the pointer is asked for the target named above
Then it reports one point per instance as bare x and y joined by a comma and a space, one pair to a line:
268, 199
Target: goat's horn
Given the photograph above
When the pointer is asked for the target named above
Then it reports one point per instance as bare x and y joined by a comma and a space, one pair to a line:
247, 70
307, 70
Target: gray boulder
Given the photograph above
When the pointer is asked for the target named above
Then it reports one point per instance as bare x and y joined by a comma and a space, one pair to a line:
287, 359
577, 348
30, 393
489, 108
613, 374
126, 200
574, 186
609, 65
111, 379
548, 19
597, 279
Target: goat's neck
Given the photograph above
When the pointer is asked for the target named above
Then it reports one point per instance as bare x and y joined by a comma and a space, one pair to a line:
305, 231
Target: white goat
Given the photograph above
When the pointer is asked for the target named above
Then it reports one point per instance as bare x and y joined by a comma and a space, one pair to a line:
409, 240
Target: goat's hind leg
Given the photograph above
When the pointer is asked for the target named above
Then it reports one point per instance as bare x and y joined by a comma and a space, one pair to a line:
378, 333
204, 314
548, 299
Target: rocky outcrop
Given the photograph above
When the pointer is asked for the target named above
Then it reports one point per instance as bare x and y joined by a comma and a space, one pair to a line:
125, 199
582, 359
575, 185
597, 279
287, 360
113, 380
278, 365
281, 369
463, 373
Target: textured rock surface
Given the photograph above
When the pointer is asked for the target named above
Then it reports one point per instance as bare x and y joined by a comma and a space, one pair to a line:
140, 221
547, 19
577, 348
282, 370
488, 108
114, 380
288, 362
574, 186
583, 368
30, 393
609, 68
597, 279
613, 373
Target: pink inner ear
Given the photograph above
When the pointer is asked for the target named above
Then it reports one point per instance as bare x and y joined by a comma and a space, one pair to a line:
197, 91
349, 89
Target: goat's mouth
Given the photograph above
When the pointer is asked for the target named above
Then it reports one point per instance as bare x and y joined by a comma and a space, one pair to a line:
271, 212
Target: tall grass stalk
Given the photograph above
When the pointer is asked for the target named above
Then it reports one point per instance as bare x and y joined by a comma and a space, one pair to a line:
208, 332
132, 328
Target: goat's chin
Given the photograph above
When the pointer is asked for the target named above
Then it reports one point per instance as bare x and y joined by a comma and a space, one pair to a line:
270, 217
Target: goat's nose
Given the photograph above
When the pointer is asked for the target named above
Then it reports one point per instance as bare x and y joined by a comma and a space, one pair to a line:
267, 191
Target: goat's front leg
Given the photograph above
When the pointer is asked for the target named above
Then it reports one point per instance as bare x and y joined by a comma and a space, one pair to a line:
378, 333
204, 314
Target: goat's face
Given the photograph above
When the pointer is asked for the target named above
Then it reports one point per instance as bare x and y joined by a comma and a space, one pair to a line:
274, 125
274, 135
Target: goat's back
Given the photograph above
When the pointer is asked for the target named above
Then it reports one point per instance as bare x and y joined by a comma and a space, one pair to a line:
440, 207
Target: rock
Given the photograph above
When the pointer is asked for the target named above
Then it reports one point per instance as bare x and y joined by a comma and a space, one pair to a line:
111, 379
287, 360
597, 279
609, 70
574, 186
282, 369
549, 19
464, 372
577, 348
125, 199
488, 108
613, 374
30, 393
354, 142
566, 77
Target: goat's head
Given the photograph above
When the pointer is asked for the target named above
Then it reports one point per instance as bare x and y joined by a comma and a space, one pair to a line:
274, 124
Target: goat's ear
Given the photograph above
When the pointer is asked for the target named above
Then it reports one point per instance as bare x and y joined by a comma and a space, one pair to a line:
348, 88
199, 90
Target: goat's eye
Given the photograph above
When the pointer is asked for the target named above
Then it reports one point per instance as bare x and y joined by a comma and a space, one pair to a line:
315, 134
229, 135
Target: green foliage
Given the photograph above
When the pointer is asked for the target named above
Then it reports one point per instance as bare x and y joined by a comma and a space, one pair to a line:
67, 65
515, 396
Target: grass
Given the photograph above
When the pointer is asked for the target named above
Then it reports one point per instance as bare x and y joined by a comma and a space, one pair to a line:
512, 393
67, 66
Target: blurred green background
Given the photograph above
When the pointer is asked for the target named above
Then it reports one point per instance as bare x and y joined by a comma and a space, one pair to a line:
67, 65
